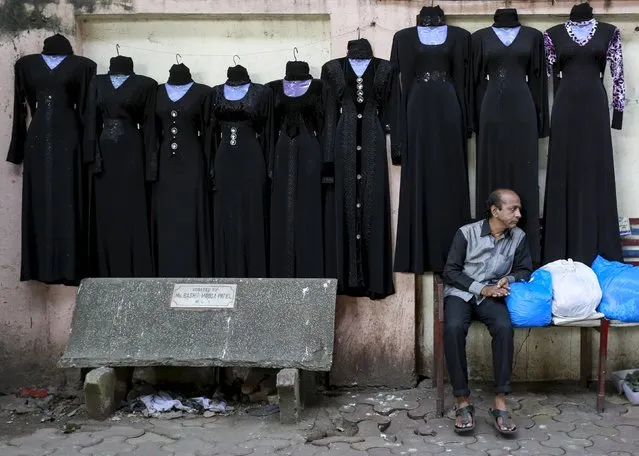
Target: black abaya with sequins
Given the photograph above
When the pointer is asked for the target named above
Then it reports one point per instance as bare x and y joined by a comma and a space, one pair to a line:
120, 142
54, 244
361, 192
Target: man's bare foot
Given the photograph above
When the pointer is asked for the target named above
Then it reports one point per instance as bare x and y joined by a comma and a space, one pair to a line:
465, 415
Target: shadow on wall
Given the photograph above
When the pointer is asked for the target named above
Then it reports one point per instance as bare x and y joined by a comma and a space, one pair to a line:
19, 15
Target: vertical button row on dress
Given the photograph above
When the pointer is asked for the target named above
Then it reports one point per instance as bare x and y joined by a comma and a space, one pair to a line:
358, 148
233, 140
174, 132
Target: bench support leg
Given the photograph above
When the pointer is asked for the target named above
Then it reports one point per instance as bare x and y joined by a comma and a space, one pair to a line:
603, 361
99, 392
585, 365
438, 343
288, 389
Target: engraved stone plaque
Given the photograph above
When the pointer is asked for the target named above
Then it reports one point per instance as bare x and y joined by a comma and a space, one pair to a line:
203, 296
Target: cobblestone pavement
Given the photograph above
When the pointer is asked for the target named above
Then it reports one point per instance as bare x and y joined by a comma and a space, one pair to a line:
561, 421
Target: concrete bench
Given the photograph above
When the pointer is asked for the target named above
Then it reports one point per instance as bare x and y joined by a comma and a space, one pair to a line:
630, 245
286, 324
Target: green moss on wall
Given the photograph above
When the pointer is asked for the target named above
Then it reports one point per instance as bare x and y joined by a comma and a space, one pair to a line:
19, 15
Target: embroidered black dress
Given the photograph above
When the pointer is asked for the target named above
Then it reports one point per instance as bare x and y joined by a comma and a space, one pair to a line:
362, 201
54, 244
430, 135
511, 102
581, 205
296, 209
119, 151
182, 228
243, 133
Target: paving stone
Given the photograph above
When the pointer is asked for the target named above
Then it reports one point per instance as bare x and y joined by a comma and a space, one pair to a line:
342, 449
276, 444
199, 422
192, 445
368, 429
486, 442
373, 442
626, 434
110, 446
564, 441
533, 407
336, 439
230, 451
151, 437
75, 441
546, 423
586, 430
421, 449
444, 432
379, 452
425, 430
571, 413
119, 431
386, 408
419, 413
147, 449
365, 412
606, 445
400, 421
24, 451
534, 448
458, 449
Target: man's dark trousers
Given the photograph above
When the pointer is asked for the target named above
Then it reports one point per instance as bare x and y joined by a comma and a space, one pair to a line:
457, 317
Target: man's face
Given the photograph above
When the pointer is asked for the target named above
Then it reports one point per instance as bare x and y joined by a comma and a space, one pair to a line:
510, 211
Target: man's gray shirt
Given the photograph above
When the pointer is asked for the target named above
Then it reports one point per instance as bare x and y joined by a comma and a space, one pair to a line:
476, 259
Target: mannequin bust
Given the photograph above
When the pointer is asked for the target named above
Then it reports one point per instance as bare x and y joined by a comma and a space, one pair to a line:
506, 18
359, 49
57, 45
581, 12
431, 16
179, 75
121, 65
297, 71
237, 75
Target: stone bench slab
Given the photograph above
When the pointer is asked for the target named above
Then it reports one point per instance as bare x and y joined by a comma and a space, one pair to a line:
273, 323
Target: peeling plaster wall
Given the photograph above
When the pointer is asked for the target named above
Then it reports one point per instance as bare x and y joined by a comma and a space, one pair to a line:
377, 343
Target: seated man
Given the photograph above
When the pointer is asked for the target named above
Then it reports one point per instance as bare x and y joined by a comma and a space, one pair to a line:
484, 258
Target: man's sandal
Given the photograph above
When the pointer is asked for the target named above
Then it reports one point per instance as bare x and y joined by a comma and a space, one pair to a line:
467, 417
507, 426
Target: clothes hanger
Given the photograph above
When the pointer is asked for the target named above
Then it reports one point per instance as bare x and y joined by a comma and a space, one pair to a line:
295, 52
238, 58
176, 58
117, 49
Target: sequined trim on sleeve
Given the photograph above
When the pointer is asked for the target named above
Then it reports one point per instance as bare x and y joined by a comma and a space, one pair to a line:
551, 55
615, 57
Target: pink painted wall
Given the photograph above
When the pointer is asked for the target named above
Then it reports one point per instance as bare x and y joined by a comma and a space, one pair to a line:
375, 341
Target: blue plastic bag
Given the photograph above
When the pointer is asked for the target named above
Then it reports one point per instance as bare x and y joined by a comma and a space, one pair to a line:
620, 288
530, 303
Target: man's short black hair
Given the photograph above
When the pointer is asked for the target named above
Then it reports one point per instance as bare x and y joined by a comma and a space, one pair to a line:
494, 199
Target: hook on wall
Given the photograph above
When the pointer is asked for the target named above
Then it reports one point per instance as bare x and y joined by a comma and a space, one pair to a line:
238, 58
117, 49
295, 52
176, 58
358, 33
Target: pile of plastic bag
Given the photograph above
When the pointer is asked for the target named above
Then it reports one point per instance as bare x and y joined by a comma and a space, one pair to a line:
575, 289
620, 289
530, 303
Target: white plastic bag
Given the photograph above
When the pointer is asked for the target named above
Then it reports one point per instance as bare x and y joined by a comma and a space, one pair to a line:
575, 289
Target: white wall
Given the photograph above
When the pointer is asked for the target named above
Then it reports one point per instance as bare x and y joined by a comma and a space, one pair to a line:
207, 44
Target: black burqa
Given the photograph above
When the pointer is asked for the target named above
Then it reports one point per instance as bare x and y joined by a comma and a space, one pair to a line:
181, 214
120, 142
580, 210
243, 135
361, 214
511, 109
301, 154
430, 137
54, 217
